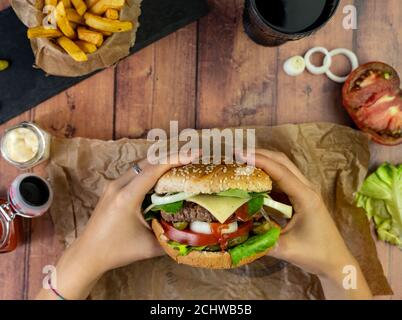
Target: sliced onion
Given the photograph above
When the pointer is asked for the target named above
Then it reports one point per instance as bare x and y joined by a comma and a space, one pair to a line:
231, 227
286, 210
149, 208
348, 54
205, 227
265, 214
294, 66
326, 64
170, 198
200, 227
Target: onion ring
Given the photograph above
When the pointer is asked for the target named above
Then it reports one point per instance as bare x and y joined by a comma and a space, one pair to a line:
326, 64
348, 54
160, 200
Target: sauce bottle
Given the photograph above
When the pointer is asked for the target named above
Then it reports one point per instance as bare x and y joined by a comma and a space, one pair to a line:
29, 196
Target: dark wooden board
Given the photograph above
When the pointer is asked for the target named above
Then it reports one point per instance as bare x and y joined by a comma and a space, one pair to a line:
23, 87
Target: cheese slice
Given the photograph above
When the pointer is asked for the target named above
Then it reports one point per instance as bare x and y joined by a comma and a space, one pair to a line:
220, 207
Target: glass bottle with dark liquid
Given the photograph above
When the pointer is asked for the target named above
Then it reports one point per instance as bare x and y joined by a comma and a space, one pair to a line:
274, 22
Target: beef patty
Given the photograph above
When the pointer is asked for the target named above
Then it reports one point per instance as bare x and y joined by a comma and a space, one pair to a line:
190, 212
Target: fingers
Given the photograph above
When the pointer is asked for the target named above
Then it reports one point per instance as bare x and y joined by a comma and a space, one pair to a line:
140, 185
286, 179
124, 179
284, 160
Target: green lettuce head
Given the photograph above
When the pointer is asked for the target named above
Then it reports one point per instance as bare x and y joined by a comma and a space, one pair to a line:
381, 197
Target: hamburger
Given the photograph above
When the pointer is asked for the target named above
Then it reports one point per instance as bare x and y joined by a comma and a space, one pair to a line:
215, 216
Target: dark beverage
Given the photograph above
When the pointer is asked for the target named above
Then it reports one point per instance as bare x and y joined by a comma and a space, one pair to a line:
34, 191
274, 22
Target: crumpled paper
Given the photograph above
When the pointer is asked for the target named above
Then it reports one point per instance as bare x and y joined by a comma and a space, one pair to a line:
55, 61
333, 157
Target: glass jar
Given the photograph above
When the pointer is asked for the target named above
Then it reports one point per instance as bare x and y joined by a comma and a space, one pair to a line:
29, 196
9, 239
25, 145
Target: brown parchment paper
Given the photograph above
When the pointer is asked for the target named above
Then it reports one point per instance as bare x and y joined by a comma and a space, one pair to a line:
55, 61
333, 157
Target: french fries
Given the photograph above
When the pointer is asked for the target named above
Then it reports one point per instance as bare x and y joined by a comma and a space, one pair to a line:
101, 6
67, 3
80, 6
73, 16
42, 32
105, 24
90, 36
81, 26
90, 3
52, 3
72, 49
62, 21
112, 14
86, 46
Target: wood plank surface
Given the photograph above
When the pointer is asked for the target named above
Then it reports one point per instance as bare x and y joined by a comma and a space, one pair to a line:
157, 85
208, 74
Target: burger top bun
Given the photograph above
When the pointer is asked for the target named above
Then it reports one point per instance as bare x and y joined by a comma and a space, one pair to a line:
211, 178
200, 259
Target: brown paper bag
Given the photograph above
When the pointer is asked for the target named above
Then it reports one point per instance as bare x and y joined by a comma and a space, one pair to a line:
333, 157
55, 61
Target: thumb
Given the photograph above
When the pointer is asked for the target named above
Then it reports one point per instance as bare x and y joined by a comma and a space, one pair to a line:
150, 174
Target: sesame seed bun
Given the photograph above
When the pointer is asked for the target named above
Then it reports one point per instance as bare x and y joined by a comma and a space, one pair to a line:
210, 178
201, 259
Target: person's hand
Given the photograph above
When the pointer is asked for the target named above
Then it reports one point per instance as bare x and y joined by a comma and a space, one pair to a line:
116, 234
311, 240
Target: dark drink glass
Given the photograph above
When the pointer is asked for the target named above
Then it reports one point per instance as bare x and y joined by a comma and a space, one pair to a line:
272, 23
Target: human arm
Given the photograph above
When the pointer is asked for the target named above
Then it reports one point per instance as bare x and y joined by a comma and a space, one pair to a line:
116, 234
311, 240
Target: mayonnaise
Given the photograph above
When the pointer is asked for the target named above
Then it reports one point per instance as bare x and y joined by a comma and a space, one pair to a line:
21, 144
25, 145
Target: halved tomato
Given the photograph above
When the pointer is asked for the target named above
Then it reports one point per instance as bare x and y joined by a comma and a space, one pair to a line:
367, 82
198, 239
373, 99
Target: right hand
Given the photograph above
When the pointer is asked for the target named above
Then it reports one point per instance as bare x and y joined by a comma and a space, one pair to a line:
311, 240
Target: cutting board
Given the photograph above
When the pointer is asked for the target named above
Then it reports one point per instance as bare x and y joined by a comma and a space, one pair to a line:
22, 87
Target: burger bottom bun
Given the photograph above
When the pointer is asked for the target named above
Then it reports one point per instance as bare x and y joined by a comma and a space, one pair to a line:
200, 259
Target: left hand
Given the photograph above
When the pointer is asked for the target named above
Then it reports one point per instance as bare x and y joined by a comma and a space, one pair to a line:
116, 234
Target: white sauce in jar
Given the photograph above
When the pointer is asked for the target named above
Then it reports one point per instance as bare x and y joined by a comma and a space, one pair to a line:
21, 144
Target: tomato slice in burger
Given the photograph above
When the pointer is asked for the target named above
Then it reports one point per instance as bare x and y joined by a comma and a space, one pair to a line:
373, 99
242, 213
198, 239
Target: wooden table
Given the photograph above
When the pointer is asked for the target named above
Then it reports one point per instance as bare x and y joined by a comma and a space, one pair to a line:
205, 75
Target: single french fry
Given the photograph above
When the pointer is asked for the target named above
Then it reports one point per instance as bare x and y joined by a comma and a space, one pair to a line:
73, 16
101, 6
112, 14
72, 49
105, 33
51, 3
80, 6
62, 21
42, 32
67, 3
86, 46
90, 3
90, 36
106, 24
